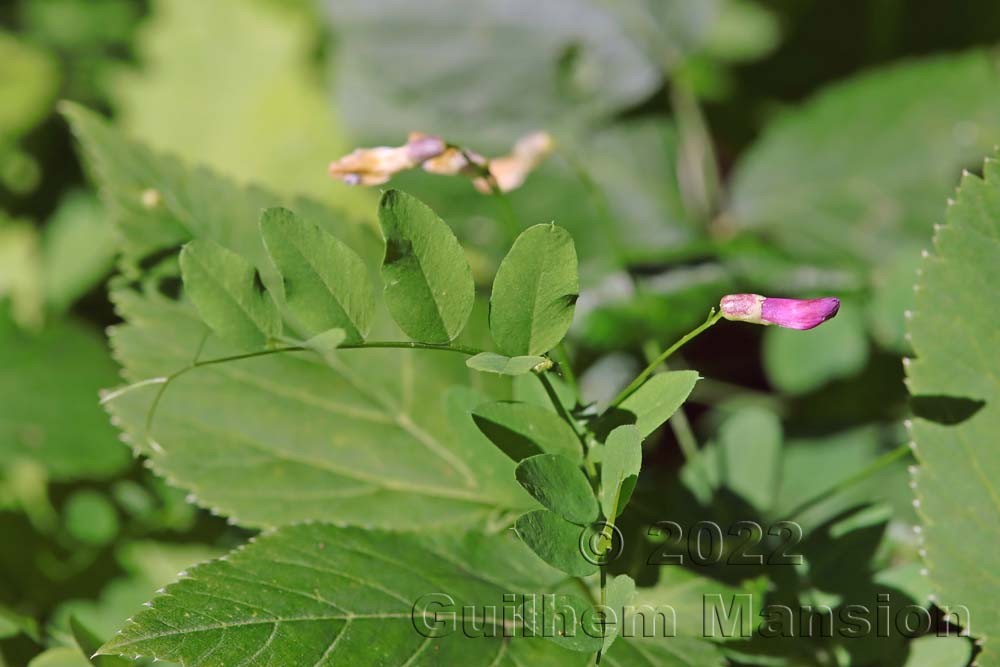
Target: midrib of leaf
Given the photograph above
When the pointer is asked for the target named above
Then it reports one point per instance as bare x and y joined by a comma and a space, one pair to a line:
534, 307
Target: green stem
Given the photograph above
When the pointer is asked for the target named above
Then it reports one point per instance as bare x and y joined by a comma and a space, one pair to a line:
568, 418
875, 466
713, 317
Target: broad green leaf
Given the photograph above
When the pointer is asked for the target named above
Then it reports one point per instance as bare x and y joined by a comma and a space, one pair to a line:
750, 455
229, 294
324, 283
61, 656
49, 392
491, 362
866, 163
560, 485
559, 63
620, 591
148, 566
361, 437
799, 361
316, 593
955, 386
654, 402
521, 430
555, 540
428, 282
534, 292
270, 121
157, 203
621, 460
568, 620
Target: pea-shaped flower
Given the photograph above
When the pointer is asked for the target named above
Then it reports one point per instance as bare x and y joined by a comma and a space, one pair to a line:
788, 313
374, 166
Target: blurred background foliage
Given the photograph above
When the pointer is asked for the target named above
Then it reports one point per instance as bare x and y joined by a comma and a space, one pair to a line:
790, 147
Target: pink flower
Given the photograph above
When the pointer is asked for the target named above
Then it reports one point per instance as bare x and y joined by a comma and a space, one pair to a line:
788, 313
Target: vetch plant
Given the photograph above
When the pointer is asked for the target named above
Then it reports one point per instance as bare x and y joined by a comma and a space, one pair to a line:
275, 350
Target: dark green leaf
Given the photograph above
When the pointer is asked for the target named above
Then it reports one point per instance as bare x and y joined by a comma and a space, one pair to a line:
534, 292
555, 540
325, 283
621, 460
229, 295
428, 282
567, 620
560, 485
521, 430
956, 377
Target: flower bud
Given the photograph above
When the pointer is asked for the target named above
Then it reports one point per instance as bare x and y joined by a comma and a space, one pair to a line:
788, 313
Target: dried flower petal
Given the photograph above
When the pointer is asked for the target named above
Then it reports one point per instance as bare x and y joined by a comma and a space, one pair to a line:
453, 162
374, 166
510, 171
788, 313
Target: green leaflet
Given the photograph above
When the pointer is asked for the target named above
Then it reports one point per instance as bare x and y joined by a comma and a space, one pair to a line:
567, 620
491, 362
325, 284
521, 430
621, 460
345, 595
620, 591
534, 292
428, 282
560, 485
556, 541
955, 386
229, 295
653, 403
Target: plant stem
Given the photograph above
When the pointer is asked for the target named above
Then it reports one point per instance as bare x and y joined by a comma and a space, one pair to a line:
568, 418
712, 318
875, 466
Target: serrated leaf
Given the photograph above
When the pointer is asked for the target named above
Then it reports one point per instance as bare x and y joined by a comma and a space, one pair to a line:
491, 362
309, 594
363, 440
955, 384
325, 283
428, 282
535, 292
555, 540
750, 455
560, 485
653, 403
620, 591
49, 392
229, 295
521, 430
621, 460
